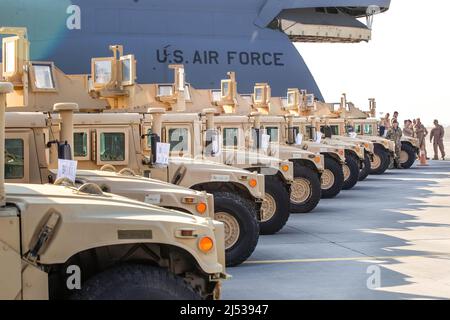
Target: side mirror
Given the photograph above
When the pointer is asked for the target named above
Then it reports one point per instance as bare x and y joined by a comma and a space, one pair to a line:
154, 140
64, 149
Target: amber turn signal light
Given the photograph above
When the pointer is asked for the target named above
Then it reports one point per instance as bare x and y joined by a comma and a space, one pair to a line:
205, 244
201, 207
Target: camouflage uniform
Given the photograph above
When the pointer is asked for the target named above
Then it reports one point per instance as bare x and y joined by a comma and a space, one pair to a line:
437, 137
396, 136
421, 132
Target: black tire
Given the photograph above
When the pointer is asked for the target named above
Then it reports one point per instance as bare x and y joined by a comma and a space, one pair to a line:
336, 170
412, 156
353, 165
244, 212
136, 282
311, 176
279, 198
384, 160
365, 170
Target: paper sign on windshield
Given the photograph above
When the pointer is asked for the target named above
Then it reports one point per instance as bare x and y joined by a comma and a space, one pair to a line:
299, 139
67, 169
162, 153
265, 140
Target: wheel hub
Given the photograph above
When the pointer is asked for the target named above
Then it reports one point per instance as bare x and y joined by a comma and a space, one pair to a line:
300, 190
403, 157
347, 172
231, 226
376, 163
327, 179
269, 207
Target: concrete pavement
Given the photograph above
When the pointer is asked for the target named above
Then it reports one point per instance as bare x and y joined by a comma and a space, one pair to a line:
388, 238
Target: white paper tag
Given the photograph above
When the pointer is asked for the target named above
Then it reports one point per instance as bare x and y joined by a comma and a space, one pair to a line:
265, 141
215, 144
299, 139
162, 153
67, 169
220, 178
153, 199
318, 137
297, 156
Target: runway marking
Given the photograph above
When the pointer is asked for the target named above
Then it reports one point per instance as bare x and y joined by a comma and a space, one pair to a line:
344, 259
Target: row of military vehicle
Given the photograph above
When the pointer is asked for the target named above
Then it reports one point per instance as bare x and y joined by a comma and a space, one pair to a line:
241, 164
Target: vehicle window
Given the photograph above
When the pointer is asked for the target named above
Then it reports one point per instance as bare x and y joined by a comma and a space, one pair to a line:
230, 137
179, 139
258, 94
273, 133
80, 144
368, 129
225, 89
335, 130
14, 159
358, 128
311, 132
112, 146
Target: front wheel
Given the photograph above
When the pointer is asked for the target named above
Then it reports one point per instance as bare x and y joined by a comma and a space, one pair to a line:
136, 282
305, 190
365, 171
275, 208
407, 156
332, 178
241, 226
380, 162
351, 172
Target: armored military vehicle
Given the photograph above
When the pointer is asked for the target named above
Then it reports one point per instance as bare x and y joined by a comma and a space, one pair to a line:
310, 120
32, 149
200, 134
365, 125
282, 134
110, 140
81, 243
367, 146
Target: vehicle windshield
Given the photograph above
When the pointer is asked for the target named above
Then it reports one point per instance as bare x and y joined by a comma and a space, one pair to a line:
231, 137
80, 144
14, 159
179, 139
112, 146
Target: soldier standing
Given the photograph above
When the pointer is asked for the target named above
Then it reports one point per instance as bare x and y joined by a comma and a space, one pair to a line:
421, 132
438, 135
395, 117
395, 134
408, 131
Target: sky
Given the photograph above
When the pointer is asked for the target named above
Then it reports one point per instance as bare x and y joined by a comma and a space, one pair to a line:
406, 66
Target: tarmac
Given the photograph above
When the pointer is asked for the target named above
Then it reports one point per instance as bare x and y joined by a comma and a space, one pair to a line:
388, 238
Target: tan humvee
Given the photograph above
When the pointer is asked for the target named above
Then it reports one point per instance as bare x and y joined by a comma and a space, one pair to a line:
116, 140
280, 125
313, 120
27, 137
380, 158
366, 126
366, 146
198, 132
80, 243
